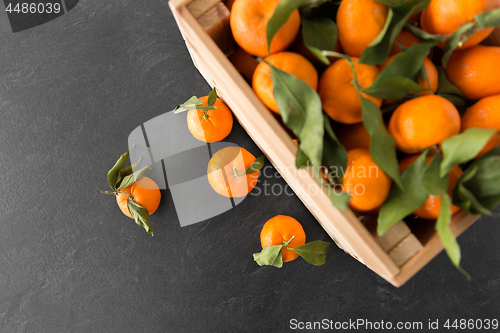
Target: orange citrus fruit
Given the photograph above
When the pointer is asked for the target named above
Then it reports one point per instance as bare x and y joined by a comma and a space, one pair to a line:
423, 122
365, 181
339, 96
226, 172
248, 22
445, 16
432, 206
144, 192
484, 114
212, 126
282, 228
244, 62
474, 71
289, 62
354, 136
359, 22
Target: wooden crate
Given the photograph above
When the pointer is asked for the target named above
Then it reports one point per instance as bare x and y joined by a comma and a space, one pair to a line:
396, 256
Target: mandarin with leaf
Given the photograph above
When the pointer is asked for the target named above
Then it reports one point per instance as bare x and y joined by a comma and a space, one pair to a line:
484, 114
444, 17
359, 23
290, 62
430, 83
338, 93
432, 206
212, 125
281, 229
227, 172
144, 192
249, 20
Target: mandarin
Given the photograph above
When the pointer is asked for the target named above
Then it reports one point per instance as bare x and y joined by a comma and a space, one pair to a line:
281, 229
423, 122
365, 181
248, 22
445, 16
211, 125
226, 172
484, 114
339, 96
144, 192
359, 22
289, 62
474, 71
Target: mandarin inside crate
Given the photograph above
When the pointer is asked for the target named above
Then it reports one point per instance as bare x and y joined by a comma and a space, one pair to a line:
397, 255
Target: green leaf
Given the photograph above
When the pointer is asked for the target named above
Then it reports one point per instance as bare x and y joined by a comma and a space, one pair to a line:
383, 146
338, 198
212, 97
114, 173
301, 160
319, 34
270, 255
463, 147
432, 180
130, 179
425, 36
399, 203
478, 190
488, 19
256, 165
128, 169
446, 235
281, 14
458, 36
448, 90
334, 154
380, 48
394, 88
193, 103
395, 80
140, 215
313, 252
301, 110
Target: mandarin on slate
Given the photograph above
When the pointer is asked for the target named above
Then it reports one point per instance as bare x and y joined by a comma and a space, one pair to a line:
144, 192
213, 125
281, 229
226, 172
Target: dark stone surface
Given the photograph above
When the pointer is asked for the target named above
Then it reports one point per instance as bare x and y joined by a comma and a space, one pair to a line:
71, 91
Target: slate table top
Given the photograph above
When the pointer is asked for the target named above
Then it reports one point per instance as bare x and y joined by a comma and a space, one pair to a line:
71, 91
